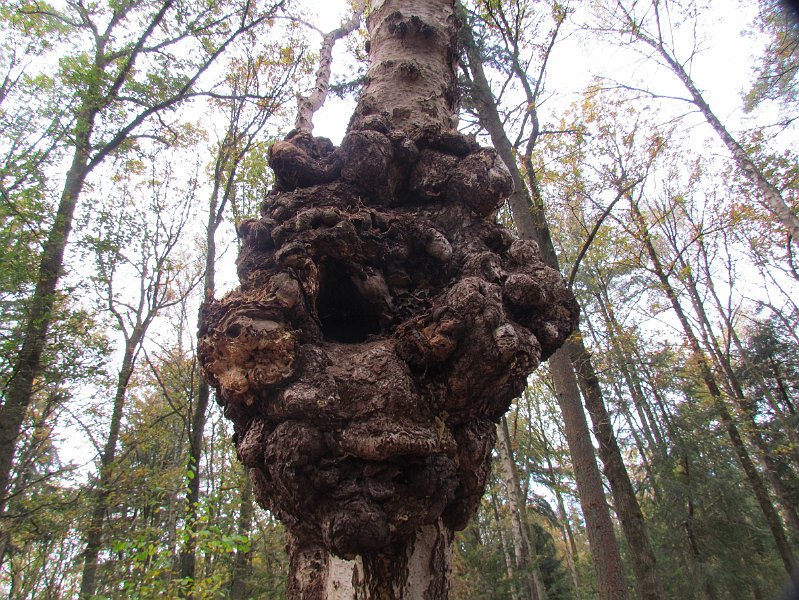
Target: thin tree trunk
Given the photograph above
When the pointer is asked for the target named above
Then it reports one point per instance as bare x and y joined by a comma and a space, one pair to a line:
27, 365
530, 220
771, 195
745, 408
752, 475
308, 105
94, 535
242, 563
756, 370
503, 542
524, 550
696, 558
599, 527
566, 529
232, 151
654, 389
649, 424
568, 542
627, 507
188, 552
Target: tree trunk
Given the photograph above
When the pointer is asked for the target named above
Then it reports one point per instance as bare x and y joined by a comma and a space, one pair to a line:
383, 321
524, 550
188, 552
599, 527
771, 195
416, 569
720, 406
649, 424
632, 520
239, 584
308, 105
27, 366
565, 526
529, 218
510, 566
94, 534
697, 559
746, 410
568, 543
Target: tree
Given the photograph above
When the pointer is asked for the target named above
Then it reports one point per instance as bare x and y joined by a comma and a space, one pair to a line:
524, 549
651, 24
777, 74
571, 367
131, 64
258, 84
382, 321
719, 403
145, 250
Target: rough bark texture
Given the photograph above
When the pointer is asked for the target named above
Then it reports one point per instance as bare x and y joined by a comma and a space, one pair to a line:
383, 322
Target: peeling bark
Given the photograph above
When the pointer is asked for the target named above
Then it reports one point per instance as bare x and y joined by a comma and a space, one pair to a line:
383, 324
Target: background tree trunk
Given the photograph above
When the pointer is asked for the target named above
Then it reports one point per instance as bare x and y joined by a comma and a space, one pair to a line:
720, 406
242, 563
530, 221
525, 551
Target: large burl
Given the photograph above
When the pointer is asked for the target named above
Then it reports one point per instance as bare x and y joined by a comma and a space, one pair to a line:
383, 322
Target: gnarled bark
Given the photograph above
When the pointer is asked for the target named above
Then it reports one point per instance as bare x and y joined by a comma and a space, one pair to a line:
383, 322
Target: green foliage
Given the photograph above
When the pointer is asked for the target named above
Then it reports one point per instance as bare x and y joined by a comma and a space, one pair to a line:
479, 565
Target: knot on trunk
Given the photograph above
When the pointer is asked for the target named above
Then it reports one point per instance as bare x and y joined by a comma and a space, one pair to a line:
302, 160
